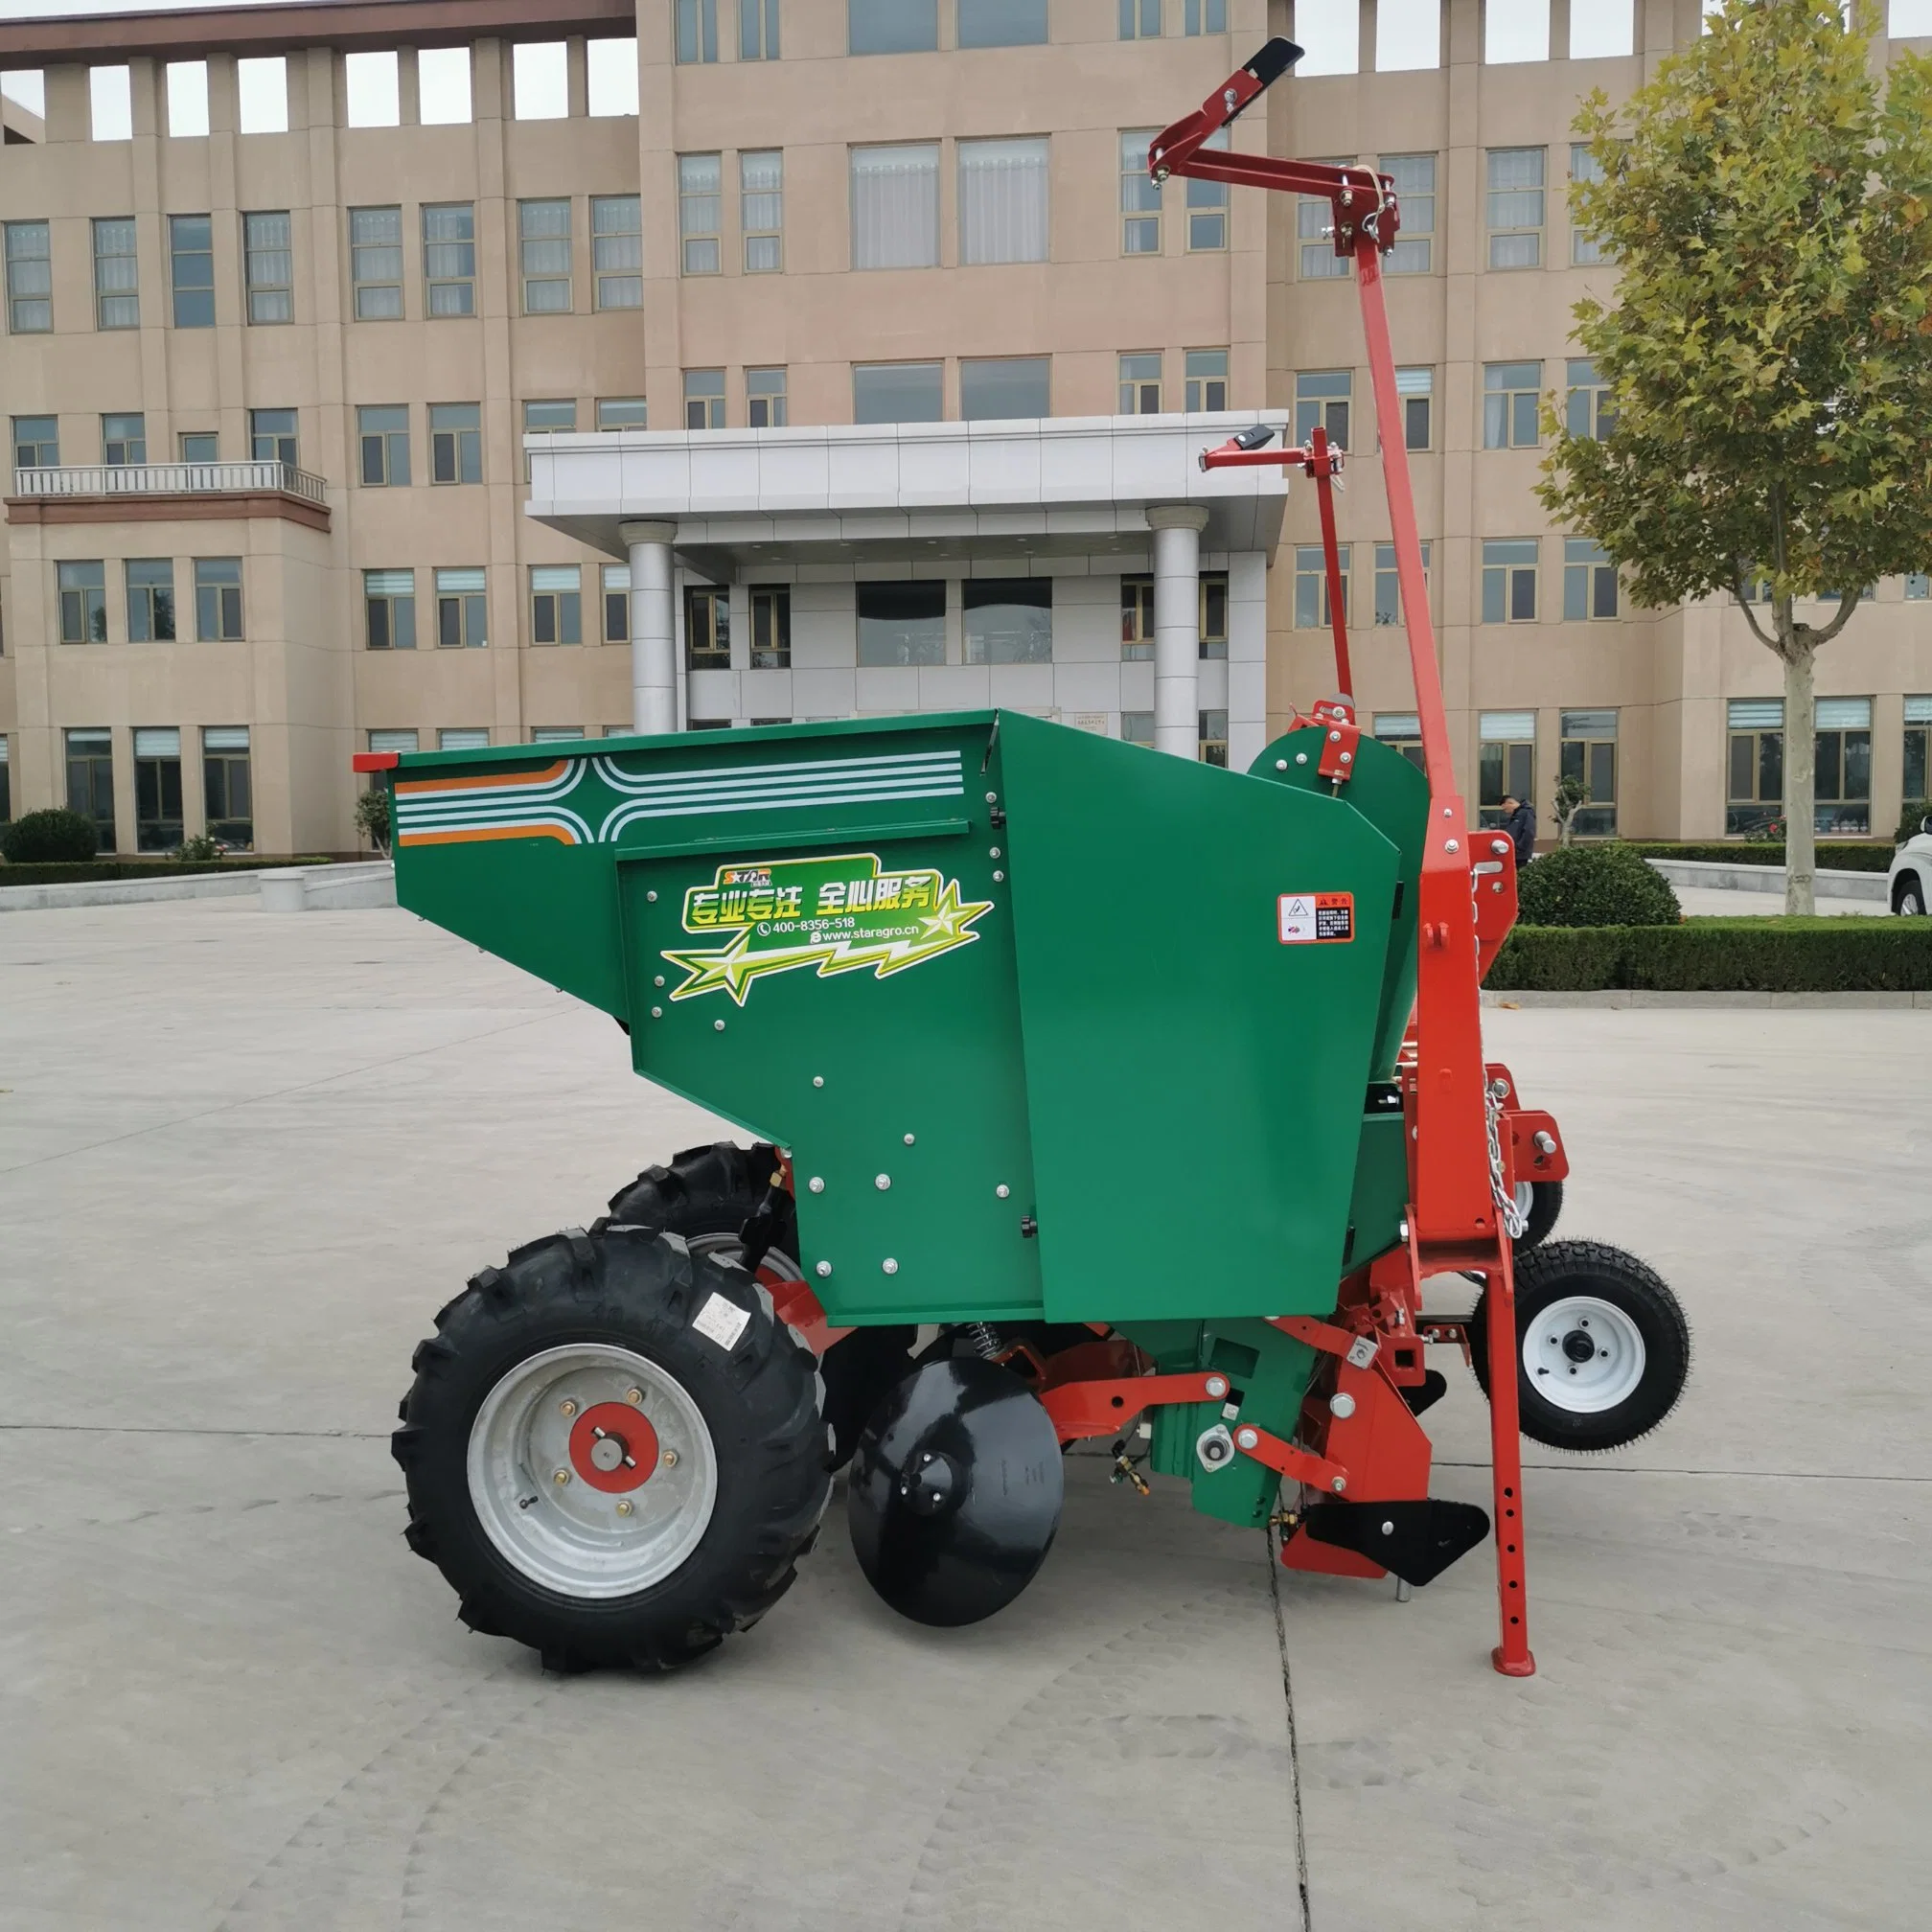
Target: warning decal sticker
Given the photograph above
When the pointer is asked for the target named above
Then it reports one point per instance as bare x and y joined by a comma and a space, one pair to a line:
1309, 917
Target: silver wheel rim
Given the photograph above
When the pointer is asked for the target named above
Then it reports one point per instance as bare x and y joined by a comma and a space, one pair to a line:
570, 1535
1526, 1197
1606, 1376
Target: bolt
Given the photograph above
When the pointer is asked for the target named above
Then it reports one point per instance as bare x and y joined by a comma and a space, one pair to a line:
1387, 1528
1334, 737
1342, 1404
1448, 811
651, 896
888, 1266
567, 1406
561, 1476
908, 1139
993, 852
634, 1396
1280, 764
1248, 1438
660, 980
1499, 846
669, 1458
884, 1181
992, 797
1217, 1386
817, 1079
1002, 1190
817, 1184
1544, 1143
1301, 757
718, 1025
624, 1505
998, 878
657, 1012
1347, 757
1340, 1485
1451, 845
823, 1269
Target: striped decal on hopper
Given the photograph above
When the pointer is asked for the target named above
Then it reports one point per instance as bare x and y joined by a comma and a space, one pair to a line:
513, 805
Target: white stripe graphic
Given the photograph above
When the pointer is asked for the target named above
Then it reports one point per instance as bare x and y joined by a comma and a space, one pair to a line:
627, 815
638, 785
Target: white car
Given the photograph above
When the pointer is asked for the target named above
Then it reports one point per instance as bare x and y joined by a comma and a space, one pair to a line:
1908, 886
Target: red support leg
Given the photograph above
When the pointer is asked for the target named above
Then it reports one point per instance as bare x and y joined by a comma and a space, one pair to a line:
1322, 467
1511, 1656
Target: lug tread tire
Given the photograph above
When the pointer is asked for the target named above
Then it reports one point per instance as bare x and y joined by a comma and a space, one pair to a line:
1547, 1272
639, 1289
705, 1190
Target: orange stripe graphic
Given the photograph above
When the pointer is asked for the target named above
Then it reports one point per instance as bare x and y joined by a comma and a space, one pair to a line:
410, 788
536, 828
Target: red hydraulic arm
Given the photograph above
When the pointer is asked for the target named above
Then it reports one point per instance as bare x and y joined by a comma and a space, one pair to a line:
1455, 1221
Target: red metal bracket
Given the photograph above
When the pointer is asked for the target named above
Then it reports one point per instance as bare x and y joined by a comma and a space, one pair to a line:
374, 761
1104, 1406
1298, 1465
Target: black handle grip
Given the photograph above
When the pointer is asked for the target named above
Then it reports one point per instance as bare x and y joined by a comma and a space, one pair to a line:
1272, 62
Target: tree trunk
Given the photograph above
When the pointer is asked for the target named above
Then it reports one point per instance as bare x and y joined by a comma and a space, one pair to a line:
1800, 776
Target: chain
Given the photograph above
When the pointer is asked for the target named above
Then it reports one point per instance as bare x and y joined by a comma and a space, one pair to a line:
1513, 1219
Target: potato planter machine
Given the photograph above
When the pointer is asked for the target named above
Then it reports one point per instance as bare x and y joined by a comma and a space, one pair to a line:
1081, 1078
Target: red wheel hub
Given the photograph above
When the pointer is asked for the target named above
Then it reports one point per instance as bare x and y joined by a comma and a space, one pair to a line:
614, 1447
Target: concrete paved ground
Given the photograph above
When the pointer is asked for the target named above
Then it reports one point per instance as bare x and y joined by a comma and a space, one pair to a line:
243, 1158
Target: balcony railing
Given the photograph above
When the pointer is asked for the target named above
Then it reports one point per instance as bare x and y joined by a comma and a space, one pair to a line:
166, 479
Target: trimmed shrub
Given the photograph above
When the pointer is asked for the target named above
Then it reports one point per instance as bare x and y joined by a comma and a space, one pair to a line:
1847, 955
1595, 886
55, 836
1832, 856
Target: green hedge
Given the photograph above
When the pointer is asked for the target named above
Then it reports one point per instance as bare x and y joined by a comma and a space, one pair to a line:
1720, 955
1834, 855
102, 870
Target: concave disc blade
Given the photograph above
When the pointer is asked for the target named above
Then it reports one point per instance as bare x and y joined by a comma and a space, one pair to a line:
954, 1492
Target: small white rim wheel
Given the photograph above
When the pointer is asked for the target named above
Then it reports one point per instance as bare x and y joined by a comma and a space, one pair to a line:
592, 1509
1583, 1355
1526, 1197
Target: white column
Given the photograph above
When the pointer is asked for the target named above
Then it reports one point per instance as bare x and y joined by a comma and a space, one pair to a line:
1176, 626
653, 630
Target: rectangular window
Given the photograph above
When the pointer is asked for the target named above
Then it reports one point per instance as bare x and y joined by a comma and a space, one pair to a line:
456, 441
761, 209
392, 741
895, 206
158, 788
898, 392
1212, 731
84, 602
891, 26
1003, 200
1140, 20
617, 251
544, 256
1136, 620
622, 412
389, 609
271, 436
268, 267
1587, 407
770, 627
1417, 390
261, 94
1009, 620
1754, 764
1213, 613
443, 87
1208, 207
697, 32
450, 257
1389, 583
1843, 789
227, 787
1314, 235
186, 89
764, 398
1403, 730
757, 29
117, 296
1005, 389
462, 738
540, 80
1917, 749
372, 88
36, 442
1205, 381
1511, 401
1314, 609
201, 446
1505, 766
556, 604
123, 440
556, 734
551, 419
902, 623
461, 609
616, 603
700, 204
1587, 751
150, 600
1589, 581
376, 262
1414, 252
30, 279
1515, 207
1140, 197
1204, 16
703, 399
383, 432
1586, 250
1321, 398
1001, 23
110, 101
611, 78
217, 599
1141, 384
1509, 580
91, 780
707, 628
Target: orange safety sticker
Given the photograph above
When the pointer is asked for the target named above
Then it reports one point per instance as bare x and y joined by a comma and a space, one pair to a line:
1307, 917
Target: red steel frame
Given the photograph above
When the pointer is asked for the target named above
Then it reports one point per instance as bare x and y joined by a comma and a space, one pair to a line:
1454, 1220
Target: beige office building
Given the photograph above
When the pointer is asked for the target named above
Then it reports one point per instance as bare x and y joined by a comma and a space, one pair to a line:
290, 288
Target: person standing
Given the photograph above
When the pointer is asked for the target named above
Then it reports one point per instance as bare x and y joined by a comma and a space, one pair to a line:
1519, 821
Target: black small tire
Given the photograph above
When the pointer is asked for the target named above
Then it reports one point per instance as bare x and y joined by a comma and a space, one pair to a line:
1646, 1324
1908, 897
1546, 1203
757, 1402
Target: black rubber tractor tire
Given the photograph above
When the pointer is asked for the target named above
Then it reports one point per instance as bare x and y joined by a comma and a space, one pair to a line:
1546, 1203
760, 1401
708, 1194
1563, 1270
